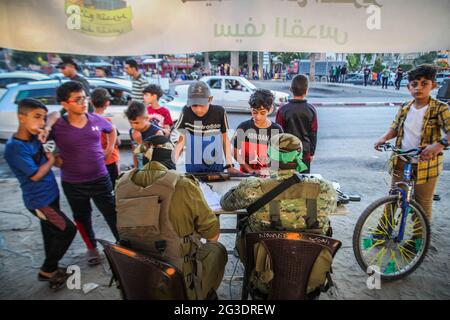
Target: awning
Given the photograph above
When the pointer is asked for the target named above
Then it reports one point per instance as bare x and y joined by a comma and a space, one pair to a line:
119, 27
151, 61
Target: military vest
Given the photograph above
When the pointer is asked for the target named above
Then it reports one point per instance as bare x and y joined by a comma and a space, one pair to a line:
143, 223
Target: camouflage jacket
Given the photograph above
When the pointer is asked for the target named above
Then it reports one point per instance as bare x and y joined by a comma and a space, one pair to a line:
292, 211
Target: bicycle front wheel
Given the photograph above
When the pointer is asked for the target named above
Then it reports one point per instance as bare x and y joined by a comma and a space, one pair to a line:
376, 241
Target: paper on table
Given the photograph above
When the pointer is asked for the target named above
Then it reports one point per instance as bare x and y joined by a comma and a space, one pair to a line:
211, 197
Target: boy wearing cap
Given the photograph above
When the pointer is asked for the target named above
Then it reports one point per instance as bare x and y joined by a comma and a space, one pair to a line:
203, 130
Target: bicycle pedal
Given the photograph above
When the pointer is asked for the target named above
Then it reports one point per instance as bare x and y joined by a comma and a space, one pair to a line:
354, 198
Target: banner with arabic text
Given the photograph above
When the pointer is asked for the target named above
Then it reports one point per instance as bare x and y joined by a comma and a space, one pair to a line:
134, 27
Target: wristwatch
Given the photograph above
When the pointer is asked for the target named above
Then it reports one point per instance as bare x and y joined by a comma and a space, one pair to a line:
444, 142
229, 166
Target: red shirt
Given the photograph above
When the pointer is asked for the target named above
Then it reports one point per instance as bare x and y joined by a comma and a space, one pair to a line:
115, 155
161, 117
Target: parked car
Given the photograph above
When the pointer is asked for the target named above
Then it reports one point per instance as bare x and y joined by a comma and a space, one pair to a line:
231, 92
8, 78
444, 91
441, 76
45, 91
356, 79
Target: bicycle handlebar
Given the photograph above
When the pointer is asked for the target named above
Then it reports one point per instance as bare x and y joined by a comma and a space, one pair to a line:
390, 147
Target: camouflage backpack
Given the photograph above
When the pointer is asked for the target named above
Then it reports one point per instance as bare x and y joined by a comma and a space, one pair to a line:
308, 189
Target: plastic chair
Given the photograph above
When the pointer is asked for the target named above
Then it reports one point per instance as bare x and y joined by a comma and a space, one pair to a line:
293, 255
142, 277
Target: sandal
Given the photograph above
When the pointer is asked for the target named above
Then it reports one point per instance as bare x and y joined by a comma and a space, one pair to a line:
94, 257
41, 277
58, 280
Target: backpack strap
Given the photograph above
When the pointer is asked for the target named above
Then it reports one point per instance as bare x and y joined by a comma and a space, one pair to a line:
194, 278
311, 214
272, 194
274, 207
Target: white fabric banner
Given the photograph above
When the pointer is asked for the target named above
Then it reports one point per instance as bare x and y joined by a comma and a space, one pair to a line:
134, 27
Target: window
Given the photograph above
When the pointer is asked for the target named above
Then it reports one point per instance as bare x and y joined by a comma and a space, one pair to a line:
118, 97
234, 85
215, 83
46, 95
5, 81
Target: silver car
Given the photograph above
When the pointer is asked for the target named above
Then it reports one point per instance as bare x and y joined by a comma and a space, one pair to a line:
231, 92
45, 91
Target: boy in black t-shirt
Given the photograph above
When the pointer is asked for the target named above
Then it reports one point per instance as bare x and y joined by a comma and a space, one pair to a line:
299, 118
141, 129
203, 130
252, 137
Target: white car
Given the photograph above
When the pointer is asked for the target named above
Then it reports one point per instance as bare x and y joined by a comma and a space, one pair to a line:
45, 91
231, 92
8, 78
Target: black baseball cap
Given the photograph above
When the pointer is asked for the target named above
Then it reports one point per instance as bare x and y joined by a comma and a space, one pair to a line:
67, 60
198, 94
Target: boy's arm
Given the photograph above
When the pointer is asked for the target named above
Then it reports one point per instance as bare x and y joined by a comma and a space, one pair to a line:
52, 117
135, 161
110, 142
240, 158
166, 130
227, 151
431, 151
45, 168
314, 129
390, 134
279, 118
180, 146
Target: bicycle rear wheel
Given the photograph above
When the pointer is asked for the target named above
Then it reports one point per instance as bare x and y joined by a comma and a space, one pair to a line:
376, 243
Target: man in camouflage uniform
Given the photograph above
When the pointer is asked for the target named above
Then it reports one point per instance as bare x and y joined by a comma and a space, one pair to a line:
285, 152
189, 214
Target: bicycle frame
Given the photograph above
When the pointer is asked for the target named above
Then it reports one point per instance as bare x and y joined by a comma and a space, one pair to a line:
405, 190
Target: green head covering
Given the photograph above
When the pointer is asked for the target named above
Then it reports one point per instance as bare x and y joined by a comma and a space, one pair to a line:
287, 148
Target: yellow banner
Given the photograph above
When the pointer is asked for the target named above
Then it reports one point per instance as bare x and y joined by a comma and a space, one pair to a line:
97, 22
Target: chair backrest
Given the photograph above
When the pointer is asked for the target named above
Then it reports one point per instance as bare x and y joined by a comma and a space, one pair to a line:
142, 277
293, 255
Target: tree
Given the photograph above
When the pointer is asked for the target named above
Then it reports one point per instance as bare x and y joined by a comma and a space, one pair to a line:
378, 66
367, 58
427, 58
354, 61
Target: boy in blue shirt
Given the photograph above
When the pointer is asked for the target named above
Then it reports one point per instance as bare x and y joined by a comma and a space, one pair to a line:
32, 167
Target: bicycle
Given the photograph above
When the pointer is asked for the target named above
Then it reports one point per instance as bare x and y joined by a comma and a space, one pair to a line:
393, 233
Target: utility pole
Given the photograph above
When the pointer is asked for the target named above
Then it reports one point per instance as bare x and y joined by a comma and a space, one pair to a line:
260, 65
250, 65
312, 67
206, 62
